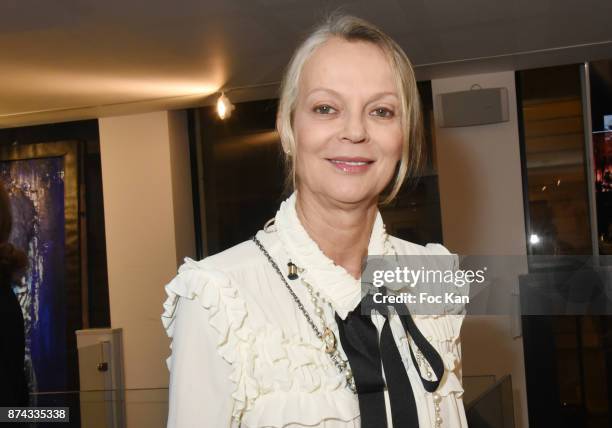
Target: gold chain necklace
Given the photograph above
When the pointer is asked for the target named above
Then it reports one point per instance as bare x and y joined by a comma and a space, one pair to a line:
327, 336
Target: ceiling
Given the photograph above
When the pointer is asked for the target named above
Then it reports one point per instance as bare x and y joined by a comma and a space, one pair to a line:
72, 59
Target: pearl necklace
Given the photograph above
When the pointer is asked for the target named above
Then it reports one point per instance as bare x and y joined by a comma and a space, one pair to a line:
421, 361
327, 336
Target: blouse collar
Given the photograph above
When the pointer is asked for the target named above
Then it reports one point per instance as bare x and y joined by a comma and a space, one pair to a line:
332, 281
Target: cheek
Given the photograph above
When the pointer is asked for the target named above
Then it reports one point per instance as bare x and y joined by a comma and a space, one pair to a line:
311, 136
300, 131
307, 145
392, 144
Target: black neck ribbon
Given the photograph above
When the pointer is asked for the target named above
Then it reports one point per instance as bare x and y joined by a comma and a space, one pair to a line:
359, 339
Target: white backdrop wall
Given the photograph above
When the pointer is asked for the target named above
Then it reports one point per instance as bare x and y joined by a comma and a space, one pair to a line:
481, 200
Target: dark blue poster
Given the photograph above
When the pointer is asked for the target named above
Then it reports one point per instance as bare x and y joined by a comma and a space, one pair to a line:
36, 191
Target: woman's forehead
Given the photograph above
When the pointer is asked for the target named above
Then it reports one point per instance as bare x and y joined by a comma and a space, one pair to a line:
348, 66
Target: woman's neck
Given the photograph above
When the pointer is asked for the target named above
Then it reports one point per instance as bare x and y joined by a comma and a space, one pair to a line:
341, 232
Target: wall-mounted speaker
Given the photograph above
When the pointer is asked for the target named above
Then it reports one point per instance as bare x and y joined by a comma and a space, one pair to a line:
473, 107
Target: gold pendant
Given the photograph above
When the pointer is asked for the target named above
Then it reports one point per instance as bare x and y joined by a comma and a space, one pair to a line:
329, 338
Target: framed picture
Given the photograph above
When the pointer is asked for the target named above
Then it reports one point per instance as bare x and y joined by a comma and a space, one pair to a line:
43, 186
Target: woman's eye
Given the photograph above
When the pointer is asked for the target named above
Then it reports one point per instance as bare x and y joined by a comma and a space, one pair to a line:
324, 109
383, 112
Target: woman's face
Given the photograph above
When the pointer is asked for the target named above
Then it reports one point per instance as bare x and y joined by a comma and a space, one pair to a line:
347, 122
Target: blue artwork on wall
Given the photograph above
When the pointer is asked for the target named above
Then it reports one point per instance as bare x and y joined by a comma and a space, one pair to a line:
36, 191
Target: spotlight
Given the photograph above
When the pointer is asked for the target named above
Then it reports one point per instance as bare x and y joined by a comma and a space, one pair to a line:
224, 107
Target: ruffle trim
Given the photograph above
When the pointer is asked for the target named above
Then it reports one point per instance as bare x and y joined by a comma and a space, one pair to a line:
463, 290
450, 383
227, 317
341, 289
264, 361
285, 409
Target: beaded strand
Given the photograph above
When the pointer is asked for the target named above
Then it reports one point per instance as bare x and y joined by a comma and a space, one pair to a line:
421, 361
327, 335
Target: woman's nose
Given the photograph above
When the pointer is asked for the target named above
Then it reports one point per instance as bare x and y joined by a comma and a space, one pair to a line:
354, 128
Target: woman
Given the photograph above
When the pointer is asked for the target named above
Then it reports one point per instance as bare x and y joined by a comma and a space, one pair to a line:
269, 332
13, 387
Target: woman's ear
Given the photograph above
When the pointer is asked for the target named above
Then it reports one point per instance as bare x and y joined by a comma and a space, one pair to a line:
281, 133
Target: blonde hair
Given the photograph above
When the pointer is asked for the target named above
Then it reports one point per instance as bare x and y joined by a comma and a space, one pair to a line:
351, 28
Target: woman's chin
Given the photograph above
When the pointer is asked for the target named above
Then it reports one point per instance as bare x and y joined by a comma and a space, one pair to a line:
351, 194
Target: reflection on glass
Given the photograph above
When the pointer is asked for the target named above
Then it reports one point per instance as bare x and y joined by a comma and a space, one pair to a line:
242, 172
558, 216
494, 408
121, 408
567, 358
600, 77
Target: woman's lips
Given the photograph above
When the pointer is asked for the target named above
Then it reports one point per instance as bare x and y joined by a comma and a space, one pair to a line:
351, 165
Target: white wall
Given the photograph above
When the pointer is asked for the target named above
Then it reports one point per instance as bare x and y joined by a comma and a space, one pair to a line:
149, 229
482, 214
184, 228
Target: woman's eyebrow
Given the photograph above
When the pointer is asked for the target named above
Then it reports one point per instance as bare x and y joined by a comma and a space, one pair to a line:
338, 94
321, 89
383, 94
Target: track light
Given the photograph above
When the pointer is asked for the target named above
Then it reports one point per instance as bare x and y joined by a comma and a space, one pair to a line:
224, 107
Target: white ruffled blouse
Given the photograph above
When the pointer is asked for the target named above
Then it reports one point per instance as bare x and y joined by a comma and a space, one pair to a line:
243, 355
